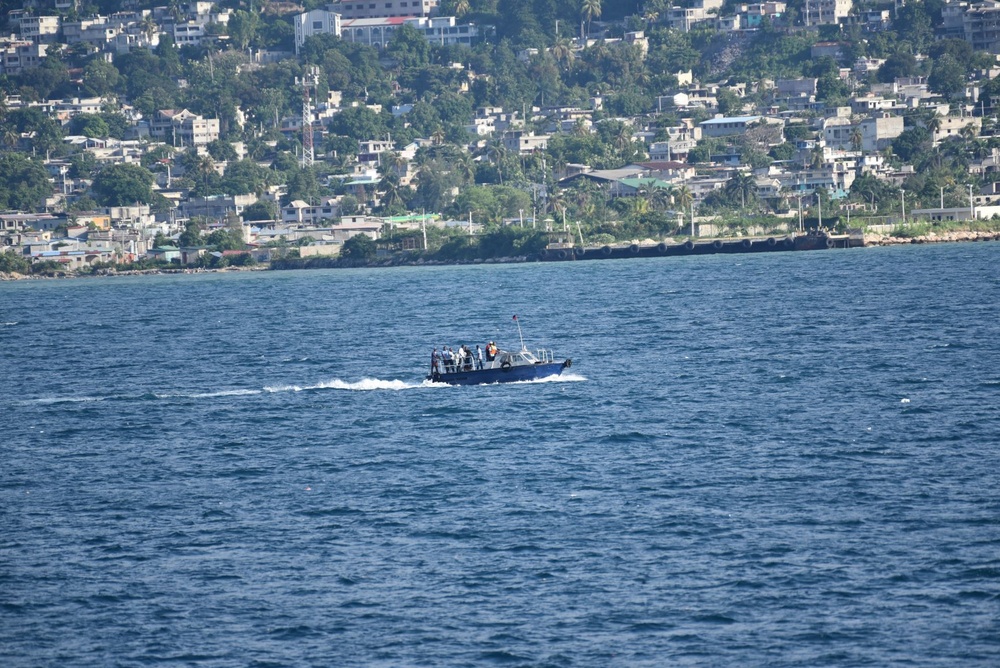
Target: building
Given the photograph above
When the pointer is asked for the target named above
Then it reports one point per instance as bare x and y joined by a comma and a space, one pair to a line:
878, 132
355, 9
981, 26
316, 22
825, 12
378, 32
183, 128
16, 57
40, 28
217, 207
524, 142
952, 126
302, 213
685, 18
732, 125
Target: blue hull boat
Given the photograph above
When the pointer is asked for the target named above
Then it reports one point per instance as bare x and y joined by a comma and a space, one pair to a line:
500, 366
500, 374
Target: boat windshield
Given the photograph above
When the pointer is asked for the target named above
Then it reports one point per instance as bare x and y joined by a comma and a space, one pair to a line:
522, 357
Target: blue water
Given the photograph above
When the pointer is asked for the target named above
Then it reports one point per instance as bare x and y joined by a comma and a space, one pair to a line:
777, 459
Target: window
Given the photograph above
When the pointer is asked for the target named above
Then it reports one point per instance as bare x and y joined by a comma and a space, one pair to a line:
317, 25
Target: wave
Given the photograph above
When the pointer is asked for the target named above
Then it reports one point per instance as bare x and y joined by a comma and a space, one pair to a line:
363, 385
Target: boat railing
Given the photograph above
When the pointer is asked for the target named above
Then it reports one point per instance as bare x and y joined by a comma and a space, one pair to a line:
543, 355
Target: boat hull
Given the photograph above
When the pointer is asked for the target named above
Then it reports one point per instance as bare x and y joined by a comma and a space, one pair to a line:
511, 374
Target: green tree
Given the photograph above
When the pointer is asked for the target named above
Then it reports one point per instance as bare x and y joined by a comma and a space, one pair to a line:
244, 177
947, 77
89, 125
12, 262
221, 151
243, 27
24, 183
360, 247
261, 210
191, 236
911, 143
100, 77
590, 10
123, 185
900, 64
409, 48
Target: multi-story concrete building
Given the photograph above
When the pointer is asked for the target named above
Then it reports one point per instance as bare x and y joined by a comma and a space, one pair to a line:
442, 30
981, 25
685, 18
184, 128
368, 9
16, 57
316, 22
825, 12
40, 28
524, 142
877, 133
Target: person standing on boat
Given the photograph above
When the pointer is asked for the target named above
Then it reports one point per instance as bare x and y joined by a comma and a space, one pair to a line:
435, 362
479, 357
446, 355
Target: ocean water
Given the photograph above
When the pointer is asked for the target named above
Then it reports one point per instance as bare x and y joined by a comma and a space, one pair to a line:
775, 459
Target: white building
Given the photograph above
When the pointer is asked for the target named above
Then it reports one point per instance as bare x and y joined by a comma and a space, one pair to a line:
183, 128
355, 9
316, 22
685, 18
40, 28
378, 32
825, 12
877, 133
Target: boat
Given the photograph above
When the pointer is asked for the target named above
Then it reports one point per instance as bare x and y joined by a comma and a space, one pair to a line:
503, 366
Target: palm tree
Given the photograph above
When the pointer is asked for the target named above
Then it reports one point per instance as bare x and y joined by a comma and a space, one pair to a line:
462, 7
465, 167
499, 153
742, 184
389, 186
639, 203
816, 156
205, 168
856, 137
149, 26
11, 137
661, 197
685, 198
562, 52
589, 10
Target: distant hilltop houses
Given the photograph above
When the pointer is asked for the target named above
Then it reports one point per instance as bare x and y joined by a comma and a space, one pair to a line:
298, 160
376, 28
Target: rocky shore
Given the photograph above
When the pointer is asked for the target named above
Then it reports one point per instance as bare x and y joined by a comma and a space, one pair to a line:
870, 240
931, 238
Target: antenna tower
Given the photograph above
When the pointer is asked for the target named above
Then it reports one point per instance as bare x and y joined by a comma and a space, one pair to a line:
309, 82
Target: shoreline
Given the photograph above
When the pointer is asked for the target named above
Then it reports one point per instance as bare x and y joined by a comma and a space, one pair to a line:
870, 241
